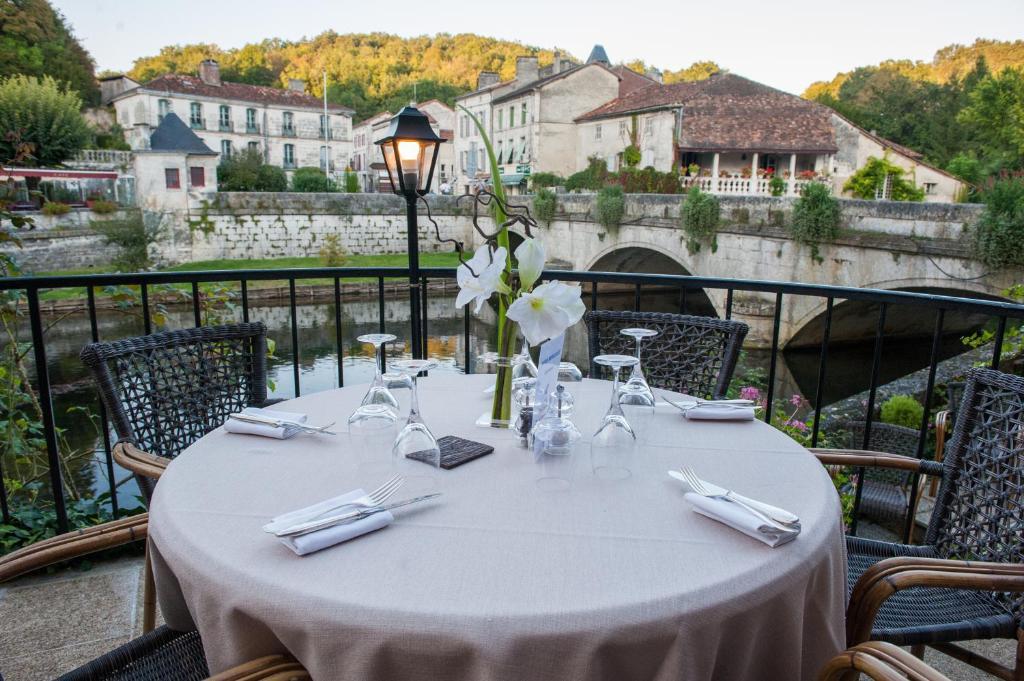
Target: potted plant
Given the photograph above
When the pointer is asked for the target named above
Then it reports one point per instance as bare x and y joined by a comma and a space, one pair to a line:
91, 199
745, 172
693, 168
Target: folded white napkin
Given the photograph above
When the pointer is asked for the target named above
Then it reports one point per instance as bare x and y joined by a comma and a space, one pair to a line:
321, 539
719, 412
739, 518
283, 433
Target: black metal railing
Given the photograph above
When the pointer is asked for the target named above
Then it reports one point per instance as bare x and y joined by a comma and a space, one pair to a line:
685, 287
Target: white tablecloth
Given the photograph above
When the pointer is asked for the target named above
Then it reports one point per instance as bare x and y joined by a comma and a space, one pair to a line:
501, 581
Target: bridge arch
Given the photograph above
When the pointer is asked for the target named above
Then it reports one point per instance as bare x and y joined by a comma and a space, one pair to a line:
647, 258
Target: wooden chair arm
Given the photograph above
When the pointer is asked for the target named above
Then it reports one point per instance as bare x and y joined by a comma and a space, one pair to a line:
869, 459
140, 462
270, 668
880, 661
73, 545
888, 576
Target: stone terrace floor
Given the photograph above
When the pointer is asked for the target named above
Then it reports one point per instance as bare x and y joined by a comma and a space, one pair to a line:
50, 624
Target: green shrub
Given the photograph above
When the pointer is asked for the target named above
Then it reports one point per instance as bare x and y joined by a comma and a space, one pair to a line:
864, 183
777, 186
538, 180
103, 207
902, 410
701, 214
55, 208
42, 112
611, 207
999, 234
246, 172
815, 217
332, 253
647, 181
271, 179
544, 205
351, 182
631, 156
311, 179
133, 238
591, 178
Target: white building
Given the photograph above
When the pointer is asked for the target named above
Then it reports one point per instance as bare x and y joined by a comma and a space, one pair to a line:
530, 119
287, 126
364, 152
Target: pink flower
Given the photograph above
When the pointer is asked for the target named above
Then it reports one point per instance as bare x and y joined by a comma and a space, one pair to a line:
750, 393
797, 400
798, 425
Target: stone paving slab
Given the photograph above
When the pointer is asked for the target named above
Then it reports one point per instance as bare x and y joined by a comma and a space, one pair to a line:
51, 624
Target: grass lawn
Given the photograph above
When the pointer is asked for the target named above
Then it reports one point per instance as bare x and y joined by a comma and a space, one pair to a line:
382, 260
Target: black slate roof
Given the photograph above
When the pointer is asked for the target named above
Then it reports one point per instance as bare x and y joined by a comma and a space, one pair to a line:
173, 135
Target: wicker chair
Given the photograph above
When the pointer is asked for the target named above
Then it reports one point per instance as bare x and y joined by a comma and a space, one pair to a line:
160, 655
692, 355
165, 391
879, 661
886, 493
967, 580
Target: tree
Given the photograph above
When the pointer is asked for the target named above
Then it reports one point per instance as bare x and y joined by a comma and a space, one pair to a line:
36, 41
45, 115
699, 70
351, 182
311, 179
870, 179
996, 114
246, 172
999, 234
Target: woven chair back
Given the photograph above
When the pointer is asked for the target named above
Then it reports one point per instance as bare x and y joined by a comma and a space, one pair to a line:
885, 437
166, 390
978, 510
692, 355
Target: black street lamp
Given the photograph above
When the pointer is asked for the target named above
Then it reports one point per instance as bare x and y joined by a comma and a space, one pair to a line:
410, 152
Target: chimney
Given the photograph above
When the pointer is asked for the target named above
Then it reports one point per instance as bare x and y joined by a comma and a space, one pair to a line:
526, 69
556, 66
209, 72
296, 85
655, 75
486, 78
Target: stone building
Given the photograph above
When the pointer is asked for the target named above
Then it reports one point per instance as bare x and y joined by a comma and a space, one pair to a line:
175, 169
366, 154
287, 126
737, 134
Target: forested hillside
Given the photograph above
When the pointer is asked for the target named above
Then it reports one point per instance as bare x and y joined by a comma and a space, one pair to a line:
964, 109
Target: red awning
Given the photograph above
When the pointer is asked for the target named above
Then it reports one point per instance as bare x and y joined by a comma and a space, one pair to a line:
55, 174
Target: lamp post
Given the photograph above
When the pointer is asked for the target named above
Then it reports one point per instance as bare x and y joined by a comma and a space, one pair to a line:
410, 152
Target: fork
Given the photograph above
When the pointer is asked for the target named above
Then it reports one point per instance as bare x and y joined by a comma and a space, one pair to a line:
697, 485
283, 423
374, 498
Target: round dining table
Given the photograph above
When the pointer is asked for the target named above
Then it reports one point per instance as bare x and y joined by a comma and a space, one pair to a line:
501, 579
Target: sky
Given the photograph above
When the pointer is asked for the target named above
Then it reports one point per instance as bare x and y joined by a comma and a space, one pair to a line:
787, 44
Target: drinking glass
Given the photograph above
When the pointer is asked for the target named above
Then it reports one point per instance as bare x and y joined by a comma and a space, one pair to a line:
556, 436
415, 451
613, 444
635, 391
377, 409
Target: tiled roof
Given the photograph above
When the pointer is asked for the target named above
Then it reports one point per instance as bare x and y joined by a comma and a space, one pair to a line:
630, 80
257, 94
374, 119
728, 113
173, 135
541, 82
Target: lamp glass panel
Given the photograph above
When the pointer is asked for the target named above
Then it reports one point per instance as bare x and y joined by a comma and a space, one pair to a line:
388, 150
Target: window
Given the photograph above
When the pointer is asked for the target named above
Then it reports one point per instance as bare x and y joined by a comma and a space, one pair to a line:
498, 153
481, 163
324, 160
597, 132
648, 125
929, 187
254, 147
522, 149
511, 152
623, 129
195, 115
171, 178
225, 117
511, 116
325, 125
197, 176
501, 119
288, 124
250, 121
464, 161
163, 108
522, 117
225, 148
289, 156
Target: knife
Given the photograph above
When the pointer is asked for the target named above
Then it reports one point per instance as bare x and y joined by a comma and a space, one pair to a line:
351, 516
779, 515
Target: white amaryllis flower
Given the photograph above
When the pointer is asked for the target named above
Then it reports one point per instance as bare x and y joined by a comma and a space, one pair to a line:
479, 287
547, 311
530, 255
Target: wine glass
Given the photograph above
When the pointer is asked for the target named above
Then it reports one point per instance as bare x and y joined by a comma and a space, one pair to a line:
415, 451
614, 442
377, 410
635, 391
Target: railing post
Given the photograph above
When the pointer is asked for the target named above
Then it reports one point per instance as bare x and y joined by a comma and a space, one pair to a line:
46, 406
